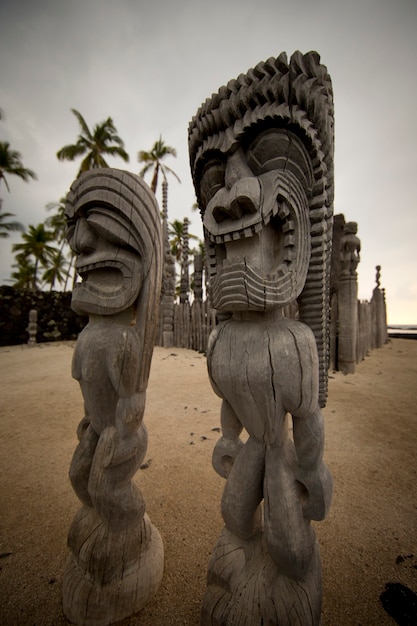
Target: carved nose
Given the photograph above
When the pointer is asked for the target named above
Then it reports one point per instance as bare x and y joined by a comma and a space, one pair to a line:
236, 169
243, 198
241, 194
85, 239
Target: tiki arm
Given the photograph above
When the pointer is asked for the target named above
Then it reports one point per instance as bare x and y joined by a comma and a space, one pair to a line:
128, 432
228, 446
312, 473
308, 427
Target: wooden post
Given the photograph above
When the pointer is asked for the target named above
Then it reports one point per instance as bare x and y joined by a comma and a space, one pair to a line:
168, 280
185, 279
348, 299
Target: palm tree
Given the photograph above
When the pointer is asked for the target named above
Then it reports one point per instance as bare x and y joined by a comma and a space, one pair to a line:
56, 270
22, 278
36, 246
58, 223
10, 163
153, 158
176, 232
7, 227
103, 139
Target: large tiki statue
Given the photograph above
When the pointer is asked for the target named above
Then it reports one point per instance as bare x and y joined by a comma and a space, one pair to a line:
261, 153
116, 555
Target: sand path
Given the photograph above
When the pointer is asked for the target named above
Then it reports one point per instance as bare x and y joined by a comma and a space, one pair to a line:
368, 539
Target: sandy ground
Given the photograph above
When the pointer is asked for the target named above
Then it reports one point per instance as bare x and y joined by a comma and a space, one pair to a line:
368, 539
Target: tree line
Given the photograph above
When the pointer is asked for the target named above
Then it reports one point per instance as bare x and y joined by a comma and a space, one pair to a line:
43, 258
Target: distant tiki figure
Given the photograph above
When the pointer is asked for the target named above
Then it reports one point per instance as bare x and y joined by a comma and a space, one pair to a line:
347, 301
116, 555
261, 155
379, 312
32, 328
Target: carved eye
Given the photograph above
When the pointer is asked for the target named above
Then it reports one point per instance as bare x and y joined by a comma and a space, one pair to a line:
106, 223
211, 179
70, 228
269, 151
280, 149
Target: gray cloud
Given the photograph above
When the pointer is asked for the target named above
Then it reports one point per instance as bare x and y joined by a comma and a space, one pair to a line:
149, 65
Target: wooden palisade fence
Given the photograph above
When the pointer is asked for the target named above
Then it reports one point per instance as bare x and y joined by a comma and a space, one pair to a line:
356, 327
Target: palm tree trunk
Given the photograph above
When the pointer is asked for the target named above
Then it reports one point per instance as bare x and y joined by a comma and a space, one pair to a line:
154, 182
70, 266
35, 275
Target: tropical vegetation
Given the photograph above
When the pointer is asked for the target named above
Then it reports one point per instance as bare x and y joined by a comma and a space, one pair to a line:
43, 258
33, 253
152, 160
176, 234
58, 224
6, 225
11, 163
94, 145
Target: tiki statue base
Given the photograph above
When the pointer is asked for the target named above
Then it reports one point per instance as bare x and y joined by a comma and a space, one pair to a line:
245, 587
129, 565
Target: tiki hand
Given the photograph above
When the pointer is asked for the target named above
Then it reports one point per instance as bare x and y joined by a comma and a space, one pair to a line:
318, 484
82, 427
129, 414
228, 446
118, 449
224, 454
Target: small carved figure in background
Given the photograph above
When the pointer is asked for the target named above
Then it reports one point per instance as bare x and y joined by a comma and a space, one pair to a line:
32, 327
378, 275
350, 247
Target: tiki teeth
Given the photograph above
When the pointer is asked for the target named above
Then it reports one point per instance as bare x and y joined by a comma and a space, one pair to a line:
283, 211
288, 226
94, 266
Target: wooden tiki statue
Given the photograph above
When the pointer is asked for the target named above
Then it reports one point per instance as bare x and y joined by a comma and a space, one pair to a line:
116, 555
261, 155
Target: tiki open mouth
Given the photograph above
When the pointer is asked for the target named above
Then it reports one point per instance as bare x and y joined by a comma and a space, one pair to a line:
274, 190
239, 286
276, 230
102, 277
261, 265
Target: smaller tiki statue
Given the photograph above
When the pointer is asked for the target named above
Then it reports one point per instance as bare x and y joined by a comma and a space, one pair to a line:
347, 302
350, 248
261, 154
116, 555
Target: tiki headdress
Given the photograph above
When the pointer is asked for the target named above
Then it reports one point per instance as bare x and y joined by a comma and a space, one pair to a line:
119, 249
278, 119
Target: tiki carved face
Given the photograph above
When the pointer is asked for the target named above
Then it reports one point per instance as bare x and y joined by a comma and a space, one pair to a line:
255, 203
261, 157
109, 267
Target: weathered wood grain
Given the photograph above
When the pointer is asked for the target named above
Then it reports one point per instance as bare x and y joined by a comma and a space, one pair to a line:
116, 558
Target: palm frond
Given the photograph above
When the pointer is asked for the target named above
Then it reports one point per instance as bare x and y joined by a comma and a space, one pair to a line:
145, 169
71, 152
144, 156
82, 123
118, 151
11, 163
171, 171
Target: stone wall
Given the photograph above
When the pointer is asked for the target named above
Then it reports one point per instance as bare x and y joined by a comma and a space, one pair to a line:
56, 320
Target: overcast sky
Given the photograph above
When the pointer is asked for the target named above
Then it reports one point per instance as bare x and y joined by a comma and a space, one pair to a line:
149, 64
